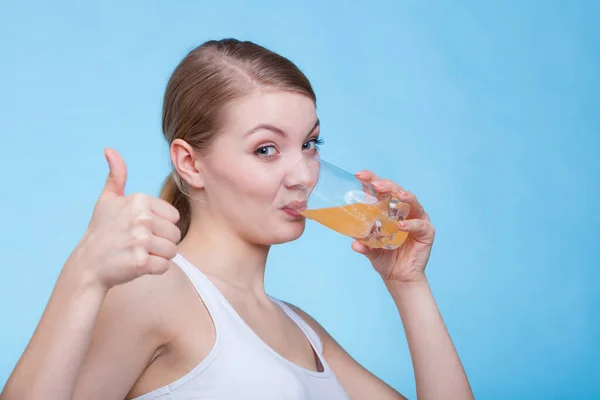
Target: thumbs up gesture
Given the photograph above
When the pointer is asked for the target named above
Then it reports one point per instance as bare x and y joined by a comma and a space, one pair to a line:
128, 236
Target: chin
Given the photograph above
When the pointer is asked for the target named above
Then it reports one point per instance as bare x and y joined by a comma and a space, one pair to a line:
285, 232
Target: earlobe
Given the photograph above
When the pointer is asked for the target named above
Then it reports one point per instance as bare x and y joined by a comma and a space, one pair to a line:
186, 163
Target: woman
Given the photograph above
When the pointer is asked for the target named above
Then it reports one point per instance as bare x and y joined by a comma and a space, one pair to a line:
164, 298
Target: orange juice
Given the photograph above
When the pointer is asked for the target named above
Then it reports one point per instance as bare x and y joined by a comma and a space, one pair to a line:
367, 223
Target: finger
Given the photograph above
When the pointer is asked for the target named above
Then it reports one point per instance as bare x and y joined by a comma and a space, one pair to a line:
386, 186
381, 186
165, 229
361, 248
161, 247
117, 176
366, 176
369, 252
421, 230
416, 209
153, 265
157, 265
164, 210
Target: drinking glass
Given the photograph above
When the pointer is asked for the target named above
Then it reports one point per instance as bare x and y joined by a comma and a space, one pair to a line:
335, 198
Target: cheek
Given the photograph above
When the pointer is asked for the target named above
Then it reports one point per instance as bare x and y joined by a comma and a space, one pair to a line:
260, 185
258, 179
246, 183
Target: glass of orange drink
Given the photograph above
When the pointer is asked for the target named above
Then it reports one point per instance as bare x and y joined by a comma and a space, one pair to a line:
335, 198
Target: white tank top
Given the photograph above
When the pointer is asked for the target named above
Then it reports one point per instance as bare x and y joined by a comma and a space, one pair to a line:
241, 365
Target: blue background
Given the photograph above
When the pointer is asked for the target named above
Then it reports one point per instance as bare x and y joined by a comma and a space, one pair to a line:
488, 111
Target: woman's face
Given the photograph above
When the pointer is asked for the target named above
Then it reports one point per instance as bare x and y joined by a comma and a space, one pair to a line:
246, 174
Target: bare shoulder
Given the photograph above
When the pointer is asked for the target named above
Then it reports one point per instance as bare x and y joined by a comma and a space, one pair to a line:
145, 300
154, 307
132, 328
356, 380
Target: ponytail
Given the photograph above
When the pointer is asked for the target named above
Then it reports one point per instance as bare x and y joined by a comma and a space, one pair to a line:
172, 194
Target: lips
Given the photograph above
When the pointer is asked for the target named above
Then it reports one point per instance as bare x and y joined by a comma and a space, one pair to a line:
297, 205
293, 208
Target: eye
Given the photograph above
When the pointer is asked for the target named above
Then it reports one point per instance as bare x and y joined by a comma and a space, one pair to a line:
312, 144
266, 151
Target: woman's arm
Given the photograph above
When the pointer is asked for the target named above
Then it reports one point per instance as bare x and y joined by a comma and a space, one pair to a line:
127, 237
439, 373
51, 362
92, 346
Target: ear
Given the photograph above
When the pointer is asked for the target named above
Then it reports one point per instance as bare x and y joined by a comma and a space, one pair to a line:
187, 163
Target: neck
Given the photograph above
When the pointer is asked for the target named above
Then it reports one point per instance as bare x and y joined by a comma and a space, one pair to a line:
225, 256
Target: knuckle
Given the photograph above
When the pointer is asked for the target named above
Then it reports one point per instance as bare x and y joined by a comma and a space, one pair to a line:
137, 197
428, 228
142, 218
141, 236
389, 184
143, 269
140, 201
140, 257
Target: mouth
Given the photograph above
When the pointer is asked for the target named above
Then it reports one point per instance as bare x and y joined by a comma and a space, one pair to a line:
294, 208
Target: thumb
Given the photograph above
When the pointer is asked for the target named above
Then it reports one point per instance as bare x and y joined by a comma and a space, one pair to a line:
117, 176
370, 253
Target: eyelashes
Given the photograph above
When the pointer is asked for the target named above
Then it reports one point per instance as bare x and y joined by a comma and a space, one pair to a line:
270, 150
264, 151
318, 142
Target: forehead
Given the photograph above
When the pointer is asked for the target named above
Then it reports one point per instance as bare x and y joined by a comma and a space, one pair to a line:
291, 112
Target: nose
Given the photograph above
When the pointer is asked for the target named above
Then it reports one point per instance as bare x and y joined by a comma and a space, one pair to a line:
303, 174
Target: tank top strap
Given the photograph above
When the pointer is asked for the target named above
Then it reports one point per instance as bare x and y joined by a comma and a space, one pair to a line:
312, 336
204, 287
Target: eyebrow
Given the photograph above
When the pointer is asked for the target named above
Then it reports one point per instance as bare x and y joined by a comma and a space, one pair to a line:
276, 130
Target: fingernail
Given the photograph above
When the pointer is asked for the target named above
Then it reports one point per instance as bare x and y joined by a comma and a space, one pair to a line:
402, 193
378, 185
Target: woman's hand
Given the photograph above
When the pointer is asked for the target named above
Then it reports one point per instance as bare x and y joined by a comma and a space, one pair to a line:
438, 370
128, 236
407, 263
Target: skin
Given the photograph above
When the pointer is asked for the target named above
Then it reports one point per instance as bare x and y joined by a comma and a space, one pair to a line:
122, 313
